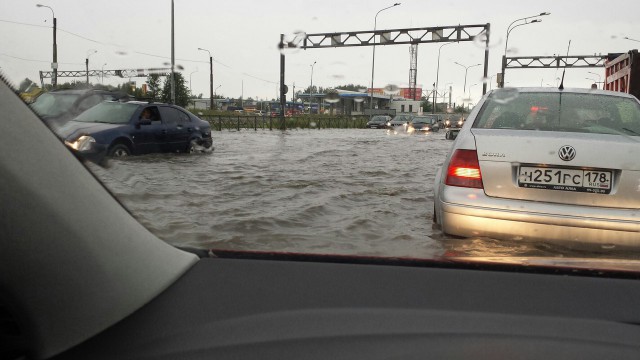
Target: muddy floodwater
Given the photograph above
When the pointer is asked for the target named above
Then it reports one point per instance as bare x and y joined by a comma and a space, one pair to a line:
356, 191
347, 192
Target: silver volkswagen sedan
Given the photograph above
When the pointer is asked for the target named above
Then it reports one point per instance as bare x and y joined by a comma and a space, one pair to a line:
545, 164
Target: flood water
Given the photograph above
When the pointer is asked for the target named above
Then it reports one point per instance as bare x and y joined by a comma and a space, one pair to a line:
355, 191
347, 192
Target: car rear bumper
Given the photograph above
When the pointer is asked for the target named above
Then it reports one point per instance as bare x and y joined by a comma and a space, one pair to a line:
536, 221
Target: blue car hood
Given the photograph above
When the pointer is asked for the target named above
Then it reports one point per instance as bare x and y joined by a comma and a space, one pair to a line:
73, 129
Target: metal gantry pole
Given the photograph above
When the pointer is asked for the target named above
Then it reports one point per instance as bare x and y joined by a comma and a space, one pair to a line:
282, 85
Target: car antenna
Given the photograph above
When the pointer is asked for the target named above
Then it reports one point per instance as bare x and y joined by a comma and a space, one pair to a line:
561, 87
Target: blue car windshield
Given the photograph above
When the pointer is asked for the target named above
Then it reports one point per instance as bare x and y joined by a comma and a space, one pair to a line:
109, 112
562, 112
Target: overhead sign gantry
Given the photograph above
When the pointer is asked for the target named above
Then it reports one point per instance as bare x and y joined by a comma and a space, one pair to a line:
410, 36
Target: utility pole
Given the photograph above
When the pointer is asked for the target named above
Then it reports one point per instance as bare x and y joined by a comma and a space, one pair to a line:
173, 59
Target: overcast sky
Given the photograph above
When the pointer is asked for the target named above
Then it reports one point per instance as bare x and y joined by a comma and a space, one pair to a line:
242, 37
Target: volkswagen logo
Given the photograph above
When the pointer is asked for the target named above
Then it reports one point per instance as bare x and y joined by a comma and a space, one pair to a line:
567, 153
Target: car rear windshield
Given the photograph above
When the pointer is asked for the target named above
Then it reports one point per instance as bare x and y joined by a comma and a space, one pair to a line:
573, 112
109, 112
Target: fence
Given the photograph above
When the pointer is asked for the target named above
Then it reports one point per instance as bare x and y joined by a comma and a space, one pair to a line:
238, 122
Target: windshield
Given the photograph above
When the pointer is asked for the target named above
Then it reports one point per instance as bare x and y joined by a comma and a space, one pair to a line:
269, 148
108, 112
54, 104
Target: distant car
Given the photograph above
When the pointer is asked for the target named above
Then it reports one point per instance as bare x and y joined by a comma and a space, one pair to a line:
547, 165
454, 122
378, 122
56, 107
424, 123
116, 129
401, 120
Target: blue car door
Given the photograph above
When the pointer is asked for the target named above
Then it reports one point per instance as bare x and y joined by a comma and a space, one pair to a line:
150, 137
179, 128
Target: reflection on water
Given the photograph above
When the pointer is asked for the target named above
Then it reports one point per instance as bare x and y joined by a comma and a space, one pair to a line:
347, 192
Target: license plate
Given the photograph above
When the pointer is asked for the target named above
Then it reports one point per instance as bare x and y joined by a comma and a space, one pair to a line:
593, 181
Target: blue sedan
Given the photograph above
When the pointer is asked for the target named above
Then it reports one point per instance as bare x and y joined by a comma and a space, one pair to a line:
117, 129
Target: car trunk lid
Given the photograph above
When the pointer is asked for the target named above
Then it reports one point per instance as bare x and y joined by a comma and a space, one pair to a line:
568, 168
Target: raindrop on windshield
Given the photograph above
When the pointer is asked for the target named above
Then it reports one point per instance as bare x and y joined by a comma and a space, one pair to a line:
481, 41
291, 43
339, 70
332, 96
392, 89
512, 50
505, 95
180, 67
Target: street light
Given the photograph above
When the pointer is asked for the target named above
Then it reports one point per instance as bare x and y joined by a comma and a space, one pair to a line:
466, 69
373, 61
511, 27
594, 82
433, 111
210, 77
470, 88
89, 53
191, 92
102, 73
311, 88
598, 75
54, 64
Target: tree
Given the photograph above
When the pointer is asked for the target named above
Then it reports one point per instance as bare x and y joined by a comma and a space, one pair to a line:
182, 91
426, 104
154, 92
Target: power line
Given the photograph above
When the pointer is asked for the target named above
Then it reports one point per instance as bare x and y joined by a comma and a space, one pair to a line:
121, 46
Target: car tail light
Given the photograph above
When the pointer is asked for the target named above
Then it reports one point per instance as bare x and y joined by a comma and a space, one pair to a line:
464, 169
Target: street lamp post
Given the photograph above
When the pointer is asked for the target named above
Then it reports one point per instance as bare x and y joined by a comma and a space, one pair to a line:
373, 61
102, 73
89, 53
511, 27
54, 64
311, 89
466, 69
445, 92
598, 75
190, 91
470, 90
596, 82
210, 77
438, 77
